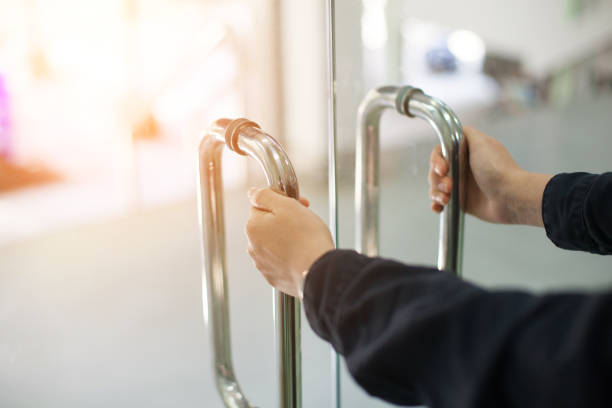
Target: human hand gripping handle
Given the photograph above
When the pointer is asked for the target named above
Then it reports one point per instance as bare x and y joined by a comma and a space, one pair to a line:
498, 190
285, 238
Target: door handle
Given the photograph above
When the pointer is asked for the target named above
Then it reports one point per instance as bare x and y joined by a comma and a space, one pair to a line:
411, 102
243, 137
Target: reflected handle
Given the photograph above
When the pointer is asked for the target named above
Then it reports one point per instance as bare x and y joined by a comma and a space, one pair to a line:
243, 137
411, 102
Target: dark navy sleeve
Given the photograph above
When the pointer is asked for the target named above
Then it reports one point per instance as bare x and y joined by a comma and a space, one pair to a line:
577, 211
415, 335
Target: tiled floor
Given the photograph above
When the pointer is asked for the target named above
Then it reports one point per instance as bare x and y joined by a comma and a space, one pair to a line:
110, 314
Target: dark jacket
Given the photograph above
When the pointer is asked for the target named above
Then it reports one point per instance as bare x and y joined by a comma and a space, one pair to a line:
415, 335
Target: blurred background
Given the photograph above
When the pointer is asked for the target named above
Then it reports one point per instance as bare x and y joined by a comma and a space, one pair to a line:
103, 102
102, 105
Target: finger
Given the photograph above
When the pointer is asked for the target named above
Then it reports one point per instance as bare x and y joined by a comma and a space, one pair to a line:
264, 199
438, 162
472, 133
435, 194
445, 185
434, 178
437, 207
440, 197
304, 202
252, 228
257, 217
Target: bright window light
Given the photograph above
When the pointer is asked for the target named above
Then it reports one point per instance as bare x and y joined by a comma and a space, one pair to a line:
467, 46
374, 24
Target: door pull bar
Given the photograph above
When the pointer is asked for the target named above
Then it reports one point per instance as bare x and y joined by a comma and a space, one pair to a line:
246, 138
411, 102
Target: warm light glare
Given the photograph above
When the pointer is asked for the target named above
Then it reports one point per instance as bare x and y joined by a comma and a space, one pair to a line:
102, 102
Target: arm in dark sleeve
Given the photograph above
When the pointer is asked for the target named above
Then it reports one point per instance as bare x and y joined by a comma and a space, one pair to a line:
577, 211
418, 335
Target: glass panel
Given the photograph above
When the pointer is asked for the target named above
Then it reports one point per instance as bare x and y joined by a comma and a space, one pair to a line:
304, 110
535, 75
102, 106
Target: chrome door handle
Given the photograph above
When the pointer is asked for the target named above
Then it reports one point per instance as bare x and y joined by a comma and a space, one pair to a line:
244, 137
411, 102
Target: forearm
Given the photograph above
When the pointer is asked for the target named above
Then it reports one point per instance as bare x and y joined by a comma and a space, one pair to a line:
416, 335
352, 302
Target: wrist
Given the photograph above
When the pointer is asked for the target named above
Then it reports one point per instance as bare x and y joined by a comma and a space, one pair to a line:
524, 198
300, 284
300, 275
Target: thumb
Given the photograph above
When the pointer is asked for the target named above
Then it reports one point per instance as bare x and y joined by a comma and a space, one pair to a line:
265, 199
473, 135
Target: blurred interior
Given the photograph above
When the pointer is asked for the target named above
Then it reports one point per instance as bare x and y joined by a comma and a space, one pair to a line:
102, 105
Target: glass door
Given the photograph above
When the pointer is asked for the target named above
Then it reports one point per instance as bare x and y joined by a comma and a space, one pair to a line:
536, 76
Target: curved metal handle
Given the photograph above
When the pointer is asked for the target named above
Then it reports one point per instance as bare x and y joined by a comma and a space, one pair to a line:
243, 137
411, 102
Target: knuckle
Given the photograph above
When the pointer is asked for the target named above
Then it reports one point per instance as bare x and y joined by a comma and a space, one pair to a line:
259, 193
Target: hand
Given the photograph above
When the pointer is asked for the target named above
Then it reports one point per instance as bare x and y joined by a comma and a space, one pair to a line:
285, 238
497, 189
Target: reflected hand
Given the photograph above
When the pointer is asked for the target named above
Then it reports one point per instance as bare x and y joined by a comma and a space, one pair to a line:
285, 238
498, 190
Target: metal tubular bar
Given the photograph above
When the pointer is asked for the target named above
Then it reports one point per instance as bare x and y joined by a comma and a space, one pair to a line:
411, 102
247, 139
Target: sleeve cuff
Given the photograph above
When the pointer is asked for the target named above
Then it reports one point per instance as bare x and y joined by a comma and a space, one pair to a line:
546, 206
325, 282
563, 210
